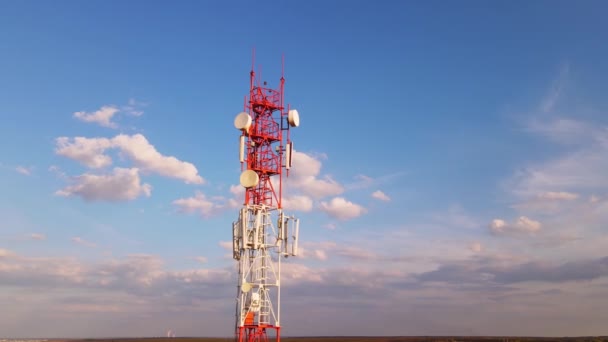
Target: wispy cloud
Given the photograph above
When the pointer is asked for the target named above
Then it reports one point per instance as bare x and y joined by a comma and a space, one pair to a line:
133, 107
27, 171
553, 96
80, 241
37, 236
364, 182
522, 225
104, 116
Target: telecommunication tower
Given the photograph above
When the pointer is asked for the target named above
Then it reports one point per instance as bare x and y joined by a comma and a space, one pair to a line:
263, 233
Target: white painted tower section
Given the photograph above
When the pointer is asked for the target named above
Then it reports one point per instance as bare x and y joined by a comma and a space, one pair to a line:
260, 239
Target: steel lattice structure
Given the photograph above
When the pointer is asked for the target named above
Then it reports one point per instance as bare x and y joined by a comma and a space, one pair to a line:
263, 233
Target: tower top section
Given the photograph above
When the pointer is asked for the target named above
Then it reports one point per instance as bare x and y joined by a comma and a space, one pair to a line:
266, 148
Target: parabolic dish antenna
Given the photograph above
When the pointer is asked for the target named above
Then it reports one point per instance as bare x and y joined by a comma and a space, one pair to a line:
246, 287
249, 179
293, 118
242, 121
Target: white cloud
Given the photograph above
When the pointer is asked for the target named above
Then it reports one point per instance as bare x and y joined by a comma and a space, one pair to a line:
364, 181
379, 195
199, 204
456, 216
122, 184
576, 171
330, 226
361, 182
145, 156
354, 252
57, 171
562, 130
226, 245
523, 225
237, 190
297, 203
557, 87
201, 259
320, 254
132, 108
305, 252
342, 209
140, 286
91, 153
5, 253
304, 177
87, 151
37, 236
475, 247
80, 241
24, 170
103, 116
558, 196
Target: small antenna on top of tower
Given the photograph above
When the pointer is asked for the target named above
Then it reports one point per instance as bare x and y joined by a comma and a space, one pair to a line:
282, 66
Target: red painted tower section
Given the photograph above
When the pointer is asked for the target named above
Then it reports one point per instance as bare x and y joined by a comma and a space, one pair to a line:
264, 141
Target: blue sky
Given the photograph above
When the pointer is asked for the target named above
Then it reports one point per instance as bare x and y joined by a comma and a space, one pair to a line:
451, 160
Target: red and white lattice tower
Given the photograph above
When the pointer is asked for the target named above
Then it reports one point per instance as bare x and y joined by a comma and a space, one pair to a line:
263, 233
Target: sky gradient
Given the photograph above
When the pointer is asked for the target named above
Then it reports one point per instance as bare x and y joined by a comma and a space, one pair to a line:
450, 172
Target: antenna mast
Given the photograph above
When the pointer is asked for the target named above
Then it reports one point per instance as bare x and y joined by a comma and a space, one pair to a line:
265, 153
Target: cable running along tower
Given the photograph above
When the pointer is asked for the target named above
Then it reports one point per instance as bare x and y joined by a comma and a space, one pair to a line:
263, 233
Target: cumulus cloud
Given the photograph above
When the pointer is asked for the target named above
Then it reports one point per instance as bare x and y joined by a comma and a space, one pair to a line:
80, 241
342, 209
91, 153
304, 177
199, 204
523, 225
120, 185
297, 203
87, 151
103, 116
379, 195
144, 155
